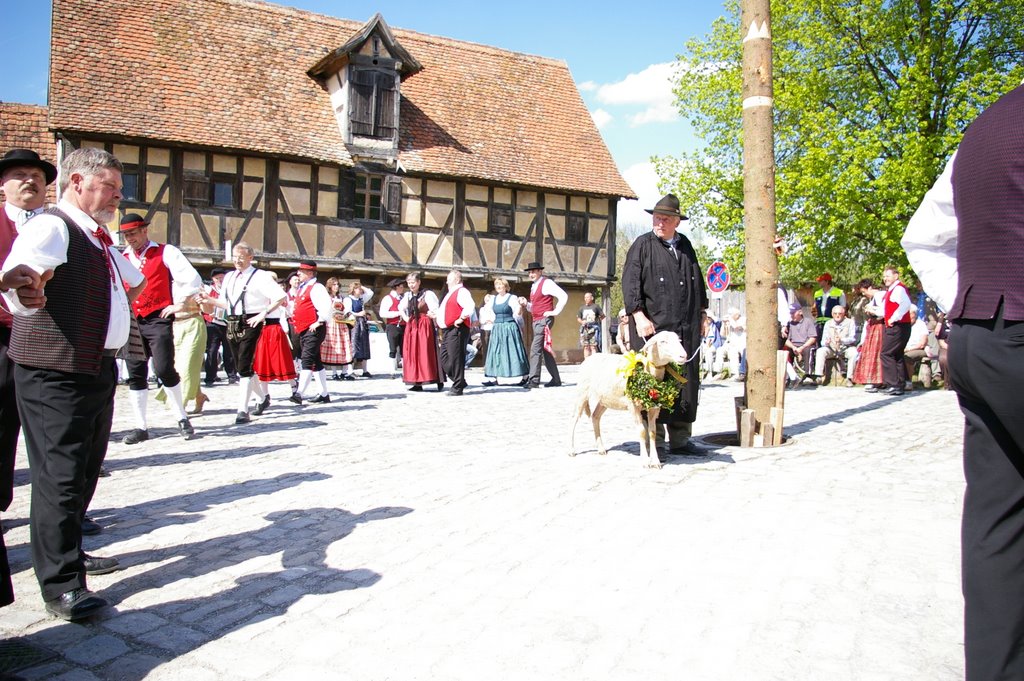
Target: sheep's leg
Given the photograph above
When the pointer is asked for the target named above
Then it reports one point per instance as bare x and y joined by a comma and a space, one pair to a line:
650, 442
595, 418
581, 407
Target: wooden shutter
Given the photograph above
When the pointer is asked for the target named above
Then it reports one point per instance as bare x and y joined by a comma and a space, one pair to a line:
346, 195
361, 86
393, 199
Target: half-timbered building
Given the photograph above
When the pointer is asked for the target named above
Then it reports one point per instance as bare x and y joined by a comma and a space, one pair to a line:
375, 151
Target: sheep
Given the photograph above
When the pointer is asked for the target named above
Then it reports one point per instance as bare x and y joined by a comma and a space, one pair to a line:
602, 386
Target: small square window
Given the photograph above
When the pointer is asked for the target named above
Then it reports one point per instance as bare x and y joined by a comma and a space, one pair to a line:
130, 187
501, 220
576, 228
369, 197
224, 194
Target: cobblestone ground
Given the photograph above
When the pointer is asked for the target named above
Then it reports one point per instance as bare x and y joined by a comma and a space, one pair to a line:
396, 535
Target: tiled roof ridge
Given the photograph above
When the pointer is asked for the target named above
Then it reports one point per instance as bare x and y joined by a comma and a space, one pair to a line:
343, 22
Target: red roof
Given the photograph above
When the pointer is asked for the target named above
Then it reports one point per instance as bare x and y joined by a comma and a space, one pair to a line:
232, 74
23, 126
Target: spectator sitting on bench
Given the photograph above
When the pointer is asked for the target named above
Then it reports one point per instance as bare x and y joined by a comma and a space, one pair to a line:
838, 343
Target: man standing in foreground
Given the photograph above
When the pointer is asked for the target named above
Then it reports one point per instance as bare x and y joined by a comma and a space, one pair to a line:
24, 178
663, 290
546, 301
455, 314
71, 316
164, 267
974, 212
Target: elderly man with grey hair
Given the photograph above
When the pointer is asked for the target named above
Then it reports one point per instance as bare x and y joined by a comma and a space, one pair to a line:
70, 293
838, 342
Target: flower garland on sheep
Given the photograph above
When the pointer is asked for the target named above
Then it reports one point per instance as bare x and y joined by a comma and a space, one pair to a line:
645, 389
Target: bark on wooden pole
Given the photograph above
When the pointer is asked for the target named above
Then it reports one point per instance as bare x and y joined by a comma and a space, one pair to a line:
762, 267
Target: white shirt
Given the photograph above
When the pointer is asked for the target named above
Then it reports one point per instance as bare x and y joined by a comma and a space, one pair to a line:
45, 247
464, 299
367, 295
262, 291
550, 288
385, 307
930, 241
18, 216
185, 281
918, 336
429, 297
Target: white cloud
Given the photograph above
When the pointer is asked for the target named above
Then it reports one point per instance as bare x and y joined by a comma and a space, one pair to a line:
601, 118
587, 86
650, 88
644, 181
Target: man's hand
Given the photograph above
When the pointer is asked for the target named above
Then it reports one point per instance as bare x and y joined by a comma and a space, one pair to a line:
257, 320
169, 310
314, 326
29, 284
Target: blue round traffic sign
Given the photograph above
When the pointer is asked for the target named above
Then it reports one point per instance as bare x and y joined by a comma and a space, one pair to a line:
718, 277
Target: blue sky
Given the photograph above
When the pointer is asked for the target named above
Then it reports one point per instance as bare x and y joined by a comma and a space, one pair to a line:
619, 54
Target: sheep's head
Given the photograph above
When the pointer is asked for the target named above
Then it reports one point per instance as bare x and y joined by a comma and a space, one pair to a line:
663, 348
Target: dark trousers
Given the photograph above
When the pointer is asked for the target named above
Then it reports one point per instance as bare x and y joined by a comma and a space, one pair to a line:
986, 365
217, 343
894, 339
66, 422
10, 424
453, 355
158, 342
244, 351
537, 353
395, 333
310, 342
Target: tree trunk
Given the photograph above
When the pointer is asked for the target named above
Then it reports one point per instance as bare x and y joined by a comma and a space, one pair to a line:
762, 267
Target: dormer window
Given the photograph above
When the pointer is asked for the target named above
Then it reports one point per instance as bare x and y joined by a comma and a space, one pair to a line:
372, 103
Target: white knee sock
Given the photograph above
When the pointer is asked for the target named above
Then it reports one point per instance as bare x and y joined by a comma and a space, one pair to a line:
245, 389
176, 405
304, 377
322, 377
137, 398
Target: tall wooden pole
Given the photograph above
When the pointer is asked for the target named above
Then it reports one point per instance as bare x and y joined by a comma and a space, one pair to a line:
762, 266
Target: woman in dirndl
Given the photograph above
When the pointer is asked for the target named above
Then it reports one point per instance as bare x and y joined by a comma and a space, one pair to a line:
356, 305
868, 370
336, 350
506, 352
419, 344
272, 360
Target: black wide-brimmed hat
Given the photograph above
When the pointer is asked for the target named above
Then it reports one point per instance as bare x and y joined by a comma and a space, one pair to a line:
131, 221
396, 282
668, 205
27, 157
533, 266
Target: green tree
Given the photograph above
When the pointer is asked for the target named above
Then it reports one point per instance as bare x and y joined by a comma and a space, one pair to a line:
871, 98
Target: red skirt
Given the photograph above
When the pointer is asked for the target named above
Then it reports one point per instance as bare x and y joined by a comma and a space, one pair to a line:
273, 358
419, 351
869, 363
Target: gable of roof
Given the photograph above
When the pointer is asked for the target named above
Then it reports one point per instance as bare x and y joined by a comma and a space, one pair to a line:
330, 63
232, 74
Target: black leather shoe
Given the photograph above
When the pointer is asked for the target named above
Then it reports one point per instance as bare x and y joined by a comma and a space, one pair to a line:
689, 449
893, 391
454, 393
489, 384
104, 473
185, 429
367, 374
136, 436
241, 418
94, 565
296, 398
262, 406
348, 377
552, 384
871, 389
75, 604
90, 526
416, 388
321, 399
523, 383
531, 386
232, 380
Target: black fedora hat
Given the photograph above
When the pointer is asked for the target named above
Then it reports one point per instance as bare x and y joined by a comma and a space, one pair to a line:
668, 205
533, 266
131, 221
27, 157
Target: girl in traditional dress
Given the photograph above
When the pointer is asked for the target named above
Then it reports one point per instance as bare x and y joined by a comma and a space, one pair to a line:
336, 351
868, 370
419, 346
272, 360
356, 305
506, 352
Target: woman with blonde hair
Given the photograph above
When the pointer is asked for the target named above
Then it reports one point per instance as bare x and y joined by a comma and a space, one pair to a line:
506, 352
356, 305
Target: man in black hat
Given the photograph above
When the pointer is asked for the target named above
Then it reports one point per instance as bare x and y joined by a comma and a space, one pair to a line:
663, 290
169, 276
546, 300
394, 325
24, 178
217, 334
